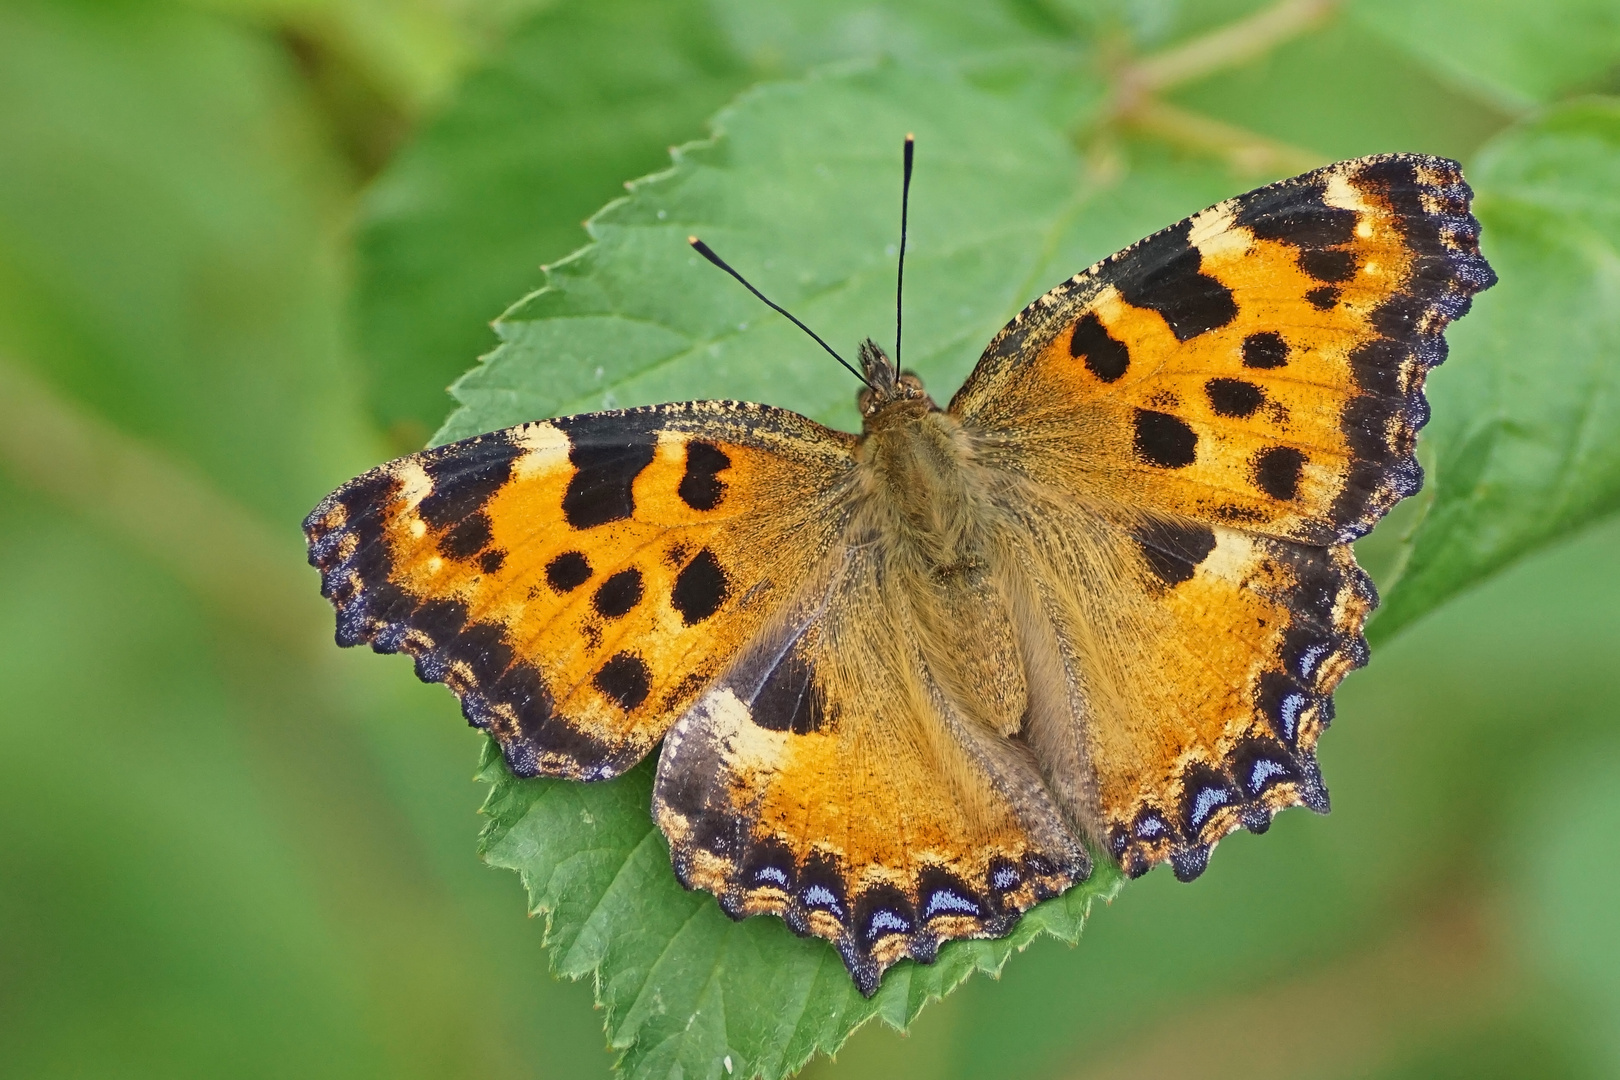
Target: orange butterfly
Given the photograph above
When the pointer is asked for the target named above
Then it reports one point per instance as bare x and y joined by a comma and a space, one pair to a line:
910, 683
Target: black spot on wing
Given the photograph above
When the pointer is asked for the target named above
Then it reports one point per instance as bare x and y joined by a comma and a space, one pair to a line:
1164, 440
1162, 274
607, 453
1323, 298
1174, 550
625, 679
568, 571
700, 588
468, 537
701, 487
464, 476
1277, 471
1265, 350
619, 594
788, 699
1234, 397
1103, 356
1332, 266
490, 562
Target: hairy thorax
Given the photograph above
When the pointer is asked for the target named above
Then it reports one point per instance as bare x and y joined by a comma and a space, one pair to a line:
927, 504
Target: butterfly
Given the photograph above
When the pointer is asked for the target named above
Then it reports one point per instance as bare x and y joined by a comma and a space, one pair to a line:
910, 683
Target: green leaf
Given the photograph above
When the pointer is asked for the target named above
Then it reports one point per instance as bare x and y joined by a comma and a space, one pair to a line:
1518, 52
583, 96
1523, 448
801, 194
799, 188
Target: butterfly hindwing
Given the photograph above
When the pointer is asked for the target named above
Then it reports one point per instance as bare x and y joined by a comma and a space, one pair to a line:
1205, 658
578, 582
831, 779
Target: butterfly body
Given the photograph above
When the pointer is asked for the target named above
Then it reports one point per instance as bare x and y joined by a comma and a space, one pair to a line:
910, 683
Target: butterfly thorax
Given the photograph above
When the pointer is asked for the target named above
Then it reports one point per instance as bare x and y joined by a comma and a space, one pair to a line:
926, 502
916, 466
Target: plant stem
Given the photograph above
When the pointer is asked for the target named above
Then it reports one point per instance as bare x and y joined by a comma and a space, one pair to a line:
1229, 46
1248, 153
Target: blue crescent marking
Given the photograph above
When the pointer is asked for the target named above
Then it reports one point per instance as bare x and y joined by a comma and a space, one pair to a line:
946, 900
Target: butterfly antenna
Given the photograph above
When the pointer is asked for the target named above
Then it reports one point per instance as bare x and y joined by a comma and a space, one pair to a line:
708, 253
900, 279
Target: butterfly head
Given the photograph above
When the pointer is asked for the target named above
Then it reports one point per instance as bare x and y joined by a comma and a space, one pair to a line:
886, 388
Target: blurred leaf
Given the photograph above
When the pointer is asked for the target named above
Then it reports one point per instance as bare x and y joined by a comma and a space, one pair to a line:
139, 936
167, 243
1526, 433
1519, 52
1344, 91
584, 95
1567, 898
1039, 56
206, 868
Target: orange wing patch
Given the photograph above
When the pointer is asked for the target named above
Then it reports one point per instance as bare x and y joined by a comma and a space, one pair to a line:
579, 583
1258, 365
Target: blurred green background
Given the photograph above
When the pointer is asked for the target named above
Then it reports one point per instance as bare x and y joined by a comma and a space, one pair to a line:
244, 246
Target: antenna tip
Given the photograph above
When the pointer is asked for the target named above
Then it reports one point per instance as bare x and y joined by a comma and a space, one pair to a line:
910, 137
694, 241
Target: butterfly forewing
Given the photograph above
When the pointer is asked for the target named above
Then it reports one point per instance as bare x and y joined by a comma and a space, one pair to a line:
1258, 365
578, 582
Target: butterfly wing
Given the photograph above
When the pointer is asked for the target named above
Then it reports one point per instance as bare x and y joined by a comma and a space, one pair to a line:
1198, 425
1259, 365
578, 582
1201, 660
834, 779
